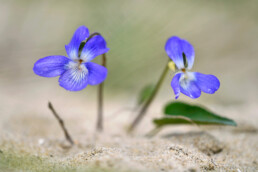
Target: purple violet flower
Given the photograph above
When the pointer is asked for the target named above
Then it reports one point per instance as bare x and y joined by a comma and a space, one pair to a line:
76, 71
189, 83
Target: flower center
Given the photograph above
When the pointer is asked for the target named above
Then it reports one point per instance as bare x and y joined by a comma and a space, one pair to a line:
80, 61
80, 66
77, 65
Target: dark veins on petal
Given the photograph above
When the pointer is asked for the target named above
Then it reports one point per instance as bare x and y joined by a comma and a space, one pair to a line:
185, 60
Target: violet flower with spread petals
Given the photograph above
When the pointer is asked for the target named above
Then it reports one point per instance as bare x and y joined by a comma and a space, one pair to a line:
76, 71
189, 83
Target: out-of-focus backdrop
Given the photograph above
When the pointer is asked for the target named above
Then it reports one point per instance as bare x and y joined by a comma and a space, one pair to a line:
224, 34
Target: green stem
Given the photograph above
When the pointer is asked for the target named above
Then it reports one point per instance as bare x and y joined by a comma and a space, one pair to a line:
100, 100
145, 107
153, 132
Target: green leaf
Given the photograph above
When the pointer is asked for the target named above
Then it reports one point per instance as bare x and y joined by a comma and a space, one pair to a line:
182, 113
145, 94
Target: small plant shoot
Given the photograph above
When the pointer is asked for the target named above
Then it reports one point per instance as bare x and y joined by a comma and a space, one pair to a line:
191, 84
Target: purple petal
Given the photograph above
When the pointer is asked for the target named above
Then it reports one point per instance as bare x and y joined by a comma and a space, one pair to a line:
79, 35
50, 66
188, 85
207, 83
97, 73
93, 48
192, 90
74, 79
175, 47
175, 84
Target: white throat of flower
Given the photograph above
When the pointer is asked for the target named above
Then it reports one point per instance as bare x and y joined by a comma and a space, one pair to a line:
186, 78
77, 66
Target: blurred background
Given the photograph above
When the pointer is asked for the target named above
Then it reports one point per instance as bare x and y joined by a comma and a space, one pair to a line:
224, 34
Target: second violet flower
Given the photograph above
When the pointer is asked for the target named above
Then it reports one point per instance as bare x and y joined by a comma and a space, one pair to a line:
189, 83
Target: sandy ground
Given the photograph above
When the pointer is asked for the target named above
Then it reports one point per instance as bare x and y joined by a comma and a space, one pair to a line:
179, 148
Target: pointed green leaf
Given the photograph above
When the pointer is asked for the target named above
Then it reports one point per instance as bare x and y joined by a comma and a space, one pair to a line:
182, 113
145, 94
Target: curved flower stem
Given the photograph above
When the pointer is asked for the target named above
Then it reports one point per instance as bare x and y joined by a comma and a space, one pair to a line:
148, 102
100, 100
92, 35
99, 125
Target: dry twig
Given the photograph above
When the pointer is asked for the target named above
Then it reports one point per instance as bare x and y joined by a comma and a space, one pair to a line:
61, 122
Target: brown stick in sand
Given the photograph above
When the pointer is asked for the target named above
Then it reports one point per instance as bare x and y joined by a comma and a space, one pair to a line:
61, 122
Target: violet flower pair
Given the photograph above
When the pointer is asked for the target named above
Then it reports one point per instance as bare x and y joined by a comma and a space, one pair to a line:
77, 71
